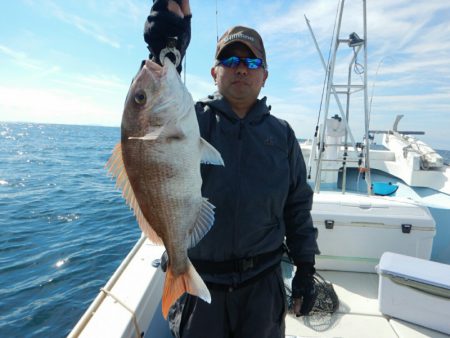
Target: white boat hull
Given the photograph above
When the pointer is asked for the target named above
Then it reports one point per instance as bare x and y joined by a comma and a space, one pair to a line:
358, 314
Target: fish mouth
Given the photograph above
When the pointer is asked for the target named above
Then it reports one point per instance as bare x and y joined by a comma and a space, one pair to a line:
154, 68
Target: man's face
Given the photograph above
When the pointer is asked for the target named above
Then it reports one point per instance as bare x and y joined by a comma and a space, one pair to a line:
239, 84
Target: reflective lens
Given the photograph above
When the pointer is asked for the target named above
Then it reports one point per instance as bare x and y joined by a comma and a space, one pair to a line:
234, 61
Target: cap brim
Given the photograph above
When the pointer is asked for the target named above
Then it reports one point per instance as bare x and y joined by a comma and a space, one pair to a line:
245, 43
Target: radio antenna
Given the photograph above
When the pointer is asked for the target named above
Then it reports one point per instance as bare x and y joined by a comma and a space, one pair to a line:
217, 22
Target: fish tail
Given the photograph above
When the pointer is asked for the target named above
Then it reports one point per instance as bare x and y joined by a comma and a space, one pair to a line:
175, 287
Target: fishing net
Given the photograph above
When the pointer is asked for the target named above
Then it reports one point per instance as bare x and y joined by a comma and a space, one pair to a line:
327, 302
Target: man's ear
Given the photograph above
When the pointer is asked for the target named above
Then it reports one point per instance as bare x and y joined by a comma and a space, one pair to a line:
266, 75
214, 73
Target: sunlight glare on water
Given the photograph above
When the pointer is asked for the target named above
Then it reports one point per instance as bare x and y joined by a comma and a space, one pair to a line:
64, 227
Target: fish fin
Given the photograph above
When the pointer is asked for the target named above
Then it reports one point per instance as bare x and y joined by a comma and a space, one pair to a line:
203, 223
164, 132
152, 135
175, 287
210, 155
116, 168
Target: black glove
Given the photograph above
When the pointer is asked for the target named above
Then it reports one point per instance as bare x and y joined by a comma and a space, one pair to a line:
164, 261
161, 26
303, 288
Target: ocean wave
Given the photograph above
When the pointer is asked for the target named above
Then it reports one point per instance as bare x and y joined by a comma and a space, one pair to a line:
64, 227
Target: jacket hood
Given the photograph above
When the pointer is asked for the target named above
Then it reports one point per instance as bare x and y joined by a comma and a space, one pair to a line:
219, 103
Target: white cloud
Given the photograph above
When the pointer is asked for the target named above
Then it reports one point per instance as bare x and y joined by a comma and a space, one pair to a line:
32, 104
198, 86
88, 27
77, 99
12, 53
408, 44
21, 58
110, 83
129, 10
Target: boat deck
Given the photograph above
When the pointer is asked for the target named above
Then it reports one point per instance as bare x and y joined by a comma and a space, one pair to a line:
358, 314
134, 301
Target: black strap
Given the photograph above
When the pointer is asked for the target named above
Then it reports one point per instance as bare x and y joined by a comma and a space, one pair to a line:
230, 288
235, 265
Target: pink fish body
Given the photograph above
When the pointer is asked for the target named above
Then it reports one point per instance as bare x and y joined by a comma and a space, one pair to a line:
157, 166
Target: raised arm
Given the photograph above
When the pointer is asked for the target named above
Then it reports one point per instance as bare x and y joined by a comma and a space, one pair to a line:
169, 20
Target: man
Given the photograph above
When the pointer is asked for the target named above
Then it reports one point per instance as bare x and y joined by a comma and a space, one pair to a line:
261, 195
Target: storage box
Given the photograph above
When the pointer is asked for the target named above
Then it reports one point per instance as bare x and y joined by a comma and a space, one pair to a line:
415, 290
355, 230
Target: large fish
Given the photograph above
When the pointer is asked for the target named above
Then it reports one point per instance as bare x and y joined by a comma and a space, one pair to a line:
157, 166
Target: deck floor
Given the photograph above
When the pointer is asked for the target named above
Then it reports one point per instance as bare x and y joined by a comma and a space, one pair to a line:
358, 314
140, 285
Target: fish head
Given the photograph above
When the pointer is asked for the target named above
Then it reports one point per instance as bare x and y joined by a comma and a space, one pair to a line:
154, 99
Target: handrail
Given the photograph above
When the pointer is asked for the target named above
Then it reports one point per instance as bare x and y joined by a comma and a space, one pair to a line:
84, 320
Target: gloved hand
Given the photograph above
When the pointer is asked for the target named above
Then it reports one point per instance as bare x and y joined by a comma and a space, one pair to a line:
164, 261
303, 291
165, 23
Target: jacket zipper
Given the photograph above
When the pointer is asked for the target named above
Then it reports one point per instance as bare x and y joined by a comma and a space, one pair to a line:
238, 185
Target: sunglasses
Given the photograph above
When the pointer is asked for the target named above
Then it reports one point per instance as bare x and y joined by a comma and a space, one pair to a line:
234, 61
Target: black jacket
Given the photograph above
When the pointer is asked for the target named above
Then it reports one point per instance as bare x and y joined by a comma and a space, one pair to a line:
261, 195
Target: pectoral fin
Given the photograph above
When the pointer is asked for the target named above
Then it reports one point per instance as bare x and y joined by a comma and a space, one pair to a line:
152, 134
210, 155
203, 224
162, 132
116, 167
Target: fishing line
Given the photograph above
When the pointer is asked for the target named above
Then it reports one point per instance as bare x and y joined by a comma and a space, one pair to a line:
184, 68
374, 81
357, 68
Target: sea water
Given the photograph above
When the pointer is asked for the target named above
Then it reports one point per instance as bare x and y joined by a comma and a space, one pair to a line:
64, 228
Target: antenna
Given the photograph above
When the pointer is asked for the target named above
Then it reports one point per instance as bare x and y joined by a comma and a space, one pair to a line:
217, 22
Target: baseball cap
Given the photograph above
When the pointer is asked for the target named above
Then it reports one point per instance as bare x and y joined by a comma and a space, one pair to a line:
247, 36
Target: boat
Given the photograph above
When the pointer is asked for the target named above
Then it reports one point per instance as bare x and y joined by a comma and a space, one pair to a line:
405, 168
380, 224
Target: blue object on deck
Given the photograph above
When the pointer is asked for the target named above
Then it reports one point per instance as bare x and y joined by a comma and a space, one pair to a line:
384, 188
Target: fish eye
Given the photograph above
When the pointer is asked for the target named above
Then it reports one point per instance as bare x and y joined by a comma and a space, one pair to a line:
140, 97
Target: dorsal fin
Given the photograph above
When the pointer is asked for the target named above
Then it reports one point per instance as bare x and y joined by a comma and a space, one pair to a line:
116, 167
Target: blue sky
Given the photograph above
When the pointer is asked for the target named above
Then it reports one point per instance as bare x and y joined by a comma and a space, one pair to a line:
72, 61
